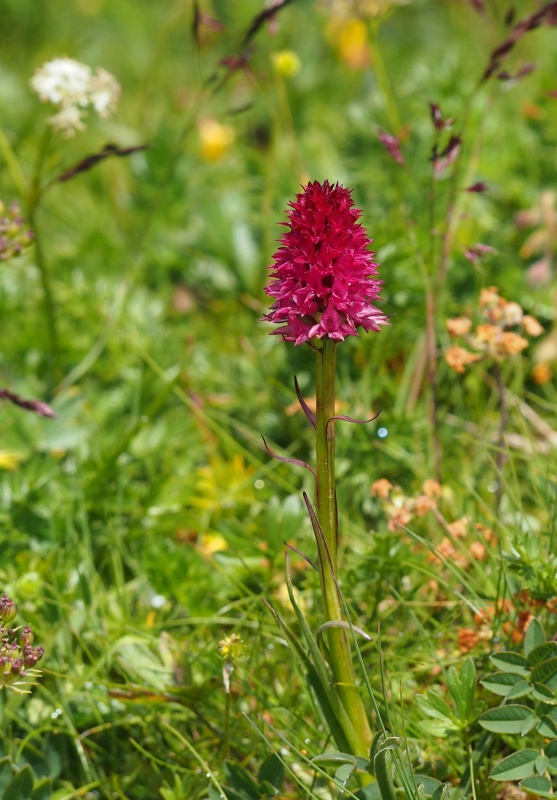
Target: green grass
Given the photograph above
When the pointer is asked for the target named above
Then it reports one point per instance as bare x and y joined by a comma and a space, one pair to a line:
165, 379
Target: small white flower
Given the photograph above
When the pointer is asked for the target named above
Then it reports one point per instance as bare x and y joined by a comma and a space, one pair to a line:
68, 121
104, 91
73, 87
63, 81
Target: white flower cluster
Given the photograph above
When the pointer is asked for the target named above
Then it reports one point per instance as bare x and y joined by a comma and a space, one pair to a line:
74, 87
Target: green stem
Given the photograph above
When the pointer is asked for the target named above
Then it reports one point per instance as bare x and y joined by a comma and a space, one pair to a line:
14, 167
383, 79
48, 296
33, 199
226, 735
340, 656
325, 447
383, 775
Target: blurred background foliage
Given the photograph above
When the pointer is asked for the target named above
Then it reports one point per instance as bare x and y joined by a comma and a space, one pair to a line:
147, 521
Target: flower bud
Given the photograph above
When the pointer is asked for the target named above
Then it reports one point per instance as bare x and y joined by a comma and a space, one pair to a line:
8, 609
26, 636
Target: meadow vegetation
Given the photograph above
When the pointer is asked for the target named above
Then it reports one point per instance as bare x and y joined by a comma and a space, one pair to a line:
143, 527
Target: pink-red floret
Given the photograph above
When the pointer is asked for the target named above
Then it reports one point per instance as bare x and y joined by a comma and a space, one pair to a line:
322, 273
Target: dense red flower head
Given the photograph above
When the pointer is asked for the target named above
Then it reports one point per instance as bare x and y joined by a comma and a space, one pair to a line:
321, 278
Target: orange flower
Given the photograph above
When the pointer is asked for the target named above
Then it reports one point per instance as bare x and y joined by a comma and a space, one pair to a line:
467, 639
487, 614
458, 326
381, 488
551, 605
542, 374
423, 504
489, 297
447, 551
512, 314
484, 531
513, 343
516, 635
457, 358
431, 488
478, 551
531, 326
487, 333
525, 617
399, 519
457, 529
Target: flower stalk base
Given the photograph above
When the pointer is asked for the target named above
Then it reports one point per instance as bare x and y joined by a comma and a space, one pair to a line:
340, 656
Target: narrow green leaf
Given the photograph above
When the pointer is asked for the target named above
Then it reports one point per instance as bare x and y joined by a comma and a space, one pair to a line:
457, 692
546, 673
462, 689
334, 759
317, 671
542, 763
509, 661
502, 682
383, 774
538, 785
468, 674
468, 679
534, 636
541, 653
506, 719
516, 766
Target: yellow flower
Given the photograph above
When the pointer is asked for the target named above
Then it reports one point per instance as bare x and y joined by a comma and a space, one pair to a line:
215, 139
353, 44
212, 543
231, 647
222, 486
10, 459
286, 63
